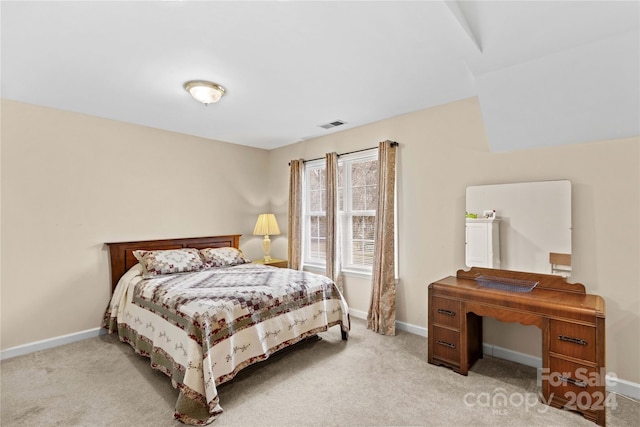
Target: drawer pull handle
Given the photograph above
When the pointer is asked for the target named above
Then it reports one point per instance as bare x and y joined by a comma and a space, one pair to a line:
572, 340
446, 344
572, 381
447, 312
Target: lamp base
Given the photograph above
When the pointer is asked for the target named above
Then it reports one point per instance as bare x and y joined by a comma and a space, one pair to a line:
266, 246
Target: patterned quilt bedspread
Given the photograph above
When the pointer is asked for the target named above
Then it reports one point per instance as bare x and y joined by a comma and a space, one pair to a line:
202, 328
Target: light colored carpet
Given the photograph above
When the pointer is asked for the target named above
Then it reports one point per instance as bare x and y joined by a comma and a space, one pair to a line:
371, 380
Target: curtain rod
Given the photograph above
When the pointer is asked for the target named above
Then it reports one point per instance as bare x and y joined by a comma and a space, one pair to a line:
393, 144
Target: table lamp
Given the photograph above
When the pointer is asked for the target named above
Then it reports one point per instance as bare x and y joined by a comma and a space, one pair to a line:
266, 226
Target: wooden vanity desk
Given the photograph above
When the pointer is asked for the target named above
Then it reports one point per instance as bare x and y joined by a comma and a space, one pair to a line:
572, 324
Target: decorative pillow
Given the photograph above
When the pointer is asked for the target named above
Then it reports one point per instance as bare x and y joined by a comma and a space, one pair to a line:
155, 263
223, 257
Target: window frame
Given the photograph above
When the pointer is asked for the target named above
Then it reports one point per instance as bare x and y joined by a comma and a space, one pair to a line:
345, 213
307, 214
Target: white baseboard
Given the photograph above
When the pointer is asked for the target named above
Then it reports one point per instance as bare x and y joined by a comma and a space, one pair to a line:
620, 386
513, 356
50, 343
358, 314
412, 329
402, 326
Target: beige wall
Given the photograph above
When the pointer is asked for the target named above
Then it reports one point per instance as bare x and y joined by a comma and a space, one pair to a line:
71, 182
442, 151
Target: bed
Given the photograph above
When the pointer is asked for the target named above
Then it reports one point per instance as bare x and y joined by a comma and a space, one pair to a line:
202, 327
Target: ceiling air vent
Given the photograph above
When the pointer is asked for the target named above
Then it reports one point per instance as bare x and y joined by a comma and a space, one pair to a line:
332, 124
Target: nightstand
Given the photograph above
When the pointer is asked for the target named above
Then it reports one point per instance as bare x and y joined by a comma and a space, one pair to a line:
275, 262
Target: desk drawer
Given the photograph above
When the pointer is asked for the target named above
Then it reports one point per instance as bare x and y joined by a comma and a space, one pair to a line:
573, 340
446, 312
581, 386
446, 345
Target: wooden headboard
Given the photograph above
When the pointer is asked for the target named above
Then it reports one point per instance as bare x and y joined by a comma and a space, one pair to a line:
122, 258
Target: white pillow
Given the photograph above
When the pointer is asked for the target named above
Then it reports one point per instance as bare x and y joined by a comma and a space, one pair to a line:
155, 263
222, 257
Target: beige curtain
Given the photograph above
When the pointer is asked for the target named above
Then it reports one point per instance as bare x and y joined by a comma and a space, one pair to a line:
333, 269
295, 214
381, 317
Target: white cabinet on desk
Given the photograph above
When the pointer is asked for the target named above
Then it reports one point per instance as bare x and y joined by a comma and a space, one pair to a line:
482, 242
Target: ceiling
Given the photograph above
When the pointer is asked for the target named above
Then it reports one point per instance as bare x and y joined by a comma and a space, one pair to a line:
545, 72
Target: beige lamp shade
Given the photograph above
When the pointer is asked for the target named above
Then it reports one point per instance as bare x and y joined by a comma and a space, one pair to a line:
265, 226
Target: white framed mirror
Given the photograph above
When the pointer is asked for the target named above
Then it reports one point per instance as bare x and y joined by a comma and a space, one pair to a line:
533, 221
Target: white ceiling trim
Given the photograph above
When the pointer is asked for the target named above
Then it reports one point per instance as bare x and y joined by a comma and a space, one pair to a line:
455, 9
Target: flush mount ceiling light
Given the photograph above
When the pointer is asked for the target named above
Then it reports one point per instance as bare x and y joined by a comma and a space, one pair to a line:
203, 91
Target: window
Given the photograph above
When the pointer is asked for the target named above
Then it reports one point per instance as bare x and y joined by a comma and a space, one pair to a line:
357, 201
315, 213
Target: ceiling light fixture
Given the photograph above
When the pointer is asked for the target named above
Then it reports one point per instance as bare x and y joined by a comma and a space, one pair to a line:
203, 91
